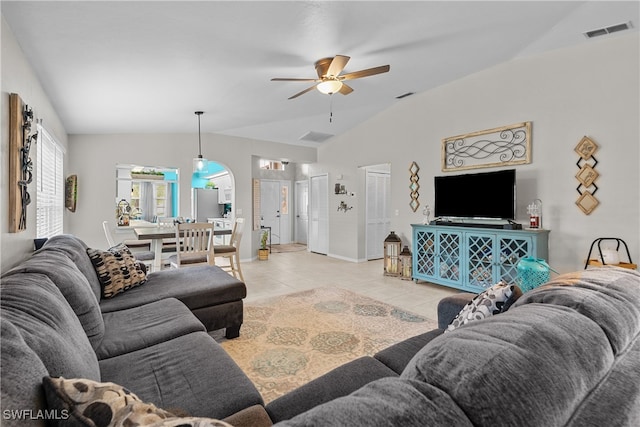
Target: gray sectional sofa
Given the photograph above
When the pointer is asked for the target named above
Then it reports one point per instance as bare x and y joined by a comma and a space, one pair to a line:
567, 353
150, 339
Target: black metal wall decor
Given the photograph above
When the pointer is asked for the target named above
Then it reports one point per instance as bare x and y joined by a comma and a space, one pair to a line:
587, 175
503, 146
20, 164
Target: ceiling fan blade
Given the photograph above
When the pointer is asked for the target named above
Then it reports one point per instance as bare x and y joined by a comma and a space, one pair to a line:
345, 89
337, 65
303, 92
286, 79
365, 73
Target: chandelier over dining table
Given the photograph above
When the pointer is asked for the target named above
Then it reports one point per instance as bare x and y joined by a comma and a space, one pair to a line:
200, 164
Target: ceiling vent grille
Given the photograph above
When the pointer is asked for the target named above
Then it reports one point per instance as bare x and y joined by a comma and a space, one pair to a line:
404, 95
315, 136
608, 30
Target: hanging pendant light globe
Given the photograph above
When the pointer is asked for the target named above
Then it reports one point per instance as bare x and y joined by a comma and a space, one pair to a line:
200, 164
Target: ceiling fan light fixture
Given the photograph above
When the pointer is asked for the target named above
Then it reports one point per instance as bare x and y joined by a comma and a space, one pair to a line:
329, 87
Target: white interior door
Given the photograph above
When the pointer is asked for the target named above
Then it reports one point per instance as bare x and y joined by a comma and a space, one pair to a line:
378, 212
319, 214
270, 208
275, 211
301, 229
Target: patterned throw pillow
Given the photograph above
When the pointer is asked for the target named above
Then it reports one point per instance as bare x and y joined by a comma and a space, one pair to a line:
82, 402
494, 300
117, 269
190, 422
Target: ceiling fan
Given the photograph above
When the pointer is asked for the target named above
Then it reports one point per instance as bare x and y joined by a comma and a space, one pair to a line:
329, 80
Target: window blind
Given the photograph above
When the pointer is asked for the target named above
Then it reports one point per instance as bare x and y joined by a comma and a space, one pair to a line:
50, 186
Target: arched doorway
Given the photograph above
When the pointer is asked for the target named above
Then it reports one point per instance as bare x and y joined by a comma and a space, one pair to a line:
212, 194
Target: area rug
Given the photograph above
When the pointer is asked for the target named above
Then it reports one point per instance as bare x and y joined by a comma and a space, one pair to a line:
288, 247
289, 340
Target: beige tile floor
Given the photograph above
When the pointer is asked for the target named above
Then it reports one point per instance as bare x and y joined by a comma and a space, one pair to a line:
290, 272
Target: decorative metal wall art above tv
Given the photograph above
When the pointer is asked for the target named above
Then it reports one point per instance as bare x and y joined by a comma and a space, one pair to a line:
503, 146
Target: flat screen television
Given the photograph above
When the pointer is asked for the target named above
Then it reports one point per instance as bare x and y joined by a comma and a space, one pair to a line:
488, 195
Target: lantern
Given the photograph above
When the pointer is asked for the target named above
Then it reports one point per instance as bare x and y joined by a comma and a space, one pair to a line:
535, 214
406, 262
392, 245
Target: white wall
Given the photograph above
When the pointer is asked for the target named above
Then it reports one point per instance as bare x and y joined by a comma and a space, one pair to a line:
94, 157
589, 90
18, 77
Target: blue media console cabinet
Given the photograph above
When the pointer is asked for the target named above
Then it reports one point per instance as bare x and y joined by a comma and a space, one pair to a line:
473, 258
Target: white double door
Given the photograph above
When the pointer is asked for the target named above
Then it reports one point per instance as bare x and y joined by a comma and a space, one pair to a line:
274, 209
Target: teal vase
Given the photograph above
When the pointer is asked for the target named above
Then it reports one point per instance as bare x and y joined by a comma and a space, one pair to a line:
532, 272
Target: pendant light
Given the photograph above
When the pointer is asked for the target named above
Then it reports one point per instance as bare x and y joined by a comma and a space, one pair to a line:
200, 164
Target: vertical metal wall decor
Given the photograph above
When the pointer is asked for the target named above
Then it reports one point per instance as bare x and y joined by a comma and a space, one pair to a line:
587, 175
506, 145
414, 186
20, 164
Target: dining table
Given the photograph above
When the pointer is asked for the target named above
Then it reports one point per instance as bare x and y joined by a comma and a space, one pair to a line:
157, 235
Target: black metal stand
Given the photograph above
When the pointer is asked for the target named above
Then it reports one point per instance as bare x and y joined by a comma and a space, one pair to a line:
599, 241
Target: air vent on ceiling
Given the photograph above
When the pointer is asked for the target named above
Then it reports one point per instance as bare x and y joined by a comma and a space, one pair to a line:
608, 30
404, 95
315, 136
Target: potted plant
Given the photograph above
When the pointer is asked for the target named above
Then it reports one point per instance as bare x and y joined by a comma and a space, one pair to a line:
263, 252
147, 174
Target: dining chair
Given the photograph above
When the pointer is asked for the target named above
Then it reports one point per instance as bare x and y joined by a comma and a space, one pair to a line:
194, 245
145, 257
232, 250
168, 245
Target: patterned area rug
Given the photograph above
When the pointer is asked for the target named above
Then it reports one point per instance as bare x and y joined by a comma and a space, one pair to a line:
289, 340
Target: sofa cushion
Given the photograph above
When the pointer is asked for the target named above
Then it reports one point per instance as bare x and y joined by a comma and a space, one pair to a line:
117, 270
196, 287
76, 250
48, 325
450, 306
494, 300
188, 374
547, 356
614, 401
398, 355
90, 403
336, 383
139, 327
73, 285
386, 402
609, 296
21, 372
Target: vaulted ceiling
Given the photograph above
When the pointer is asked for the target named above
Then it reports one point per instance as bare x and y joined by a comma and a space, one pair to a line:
146, 66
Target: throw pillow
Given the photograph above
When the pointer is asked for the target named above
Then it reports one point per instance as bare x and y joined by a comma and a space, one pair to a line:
494, 300
117, 269
82, 402
190, 422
